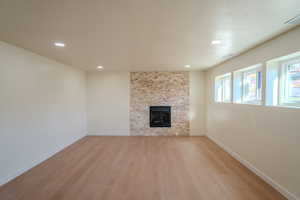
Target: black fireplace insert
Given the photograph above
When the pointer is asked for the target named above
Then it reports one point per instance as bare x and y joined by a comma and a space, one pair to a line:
160, 116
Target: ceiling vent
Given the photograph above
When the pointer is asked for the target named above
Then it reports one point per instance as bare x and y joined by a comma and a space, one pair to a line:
294, 20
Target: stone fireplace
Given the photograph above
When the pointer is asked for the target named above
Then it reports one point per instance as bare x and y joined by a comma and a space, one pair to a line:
164, 92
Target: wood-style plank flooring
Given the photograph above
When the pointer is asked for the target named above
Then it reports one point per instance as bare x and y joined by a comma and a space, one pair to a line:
139, 168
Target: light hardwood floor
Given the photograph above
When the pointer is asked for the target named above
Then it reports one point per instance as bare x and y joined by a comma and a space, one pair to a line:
139, 168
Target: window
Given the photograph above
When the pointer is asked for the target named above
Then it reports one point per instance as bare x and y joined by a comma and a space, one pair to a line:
248, 85
290, 83
252, 86
223, 88
283, 81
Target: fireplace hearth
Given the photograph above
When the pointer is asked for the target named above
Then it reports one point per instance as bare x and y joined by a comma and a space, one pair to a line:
160, 116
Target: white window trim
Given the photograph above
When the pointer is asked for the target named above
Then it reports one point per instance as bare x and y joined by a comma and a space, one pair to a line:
282, 83
222, 78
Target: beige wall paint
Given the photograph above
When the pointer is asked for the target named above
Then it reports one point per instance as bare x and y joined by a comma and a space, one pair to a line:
266, 137
197, 103
108, 103
101, 86
42, 109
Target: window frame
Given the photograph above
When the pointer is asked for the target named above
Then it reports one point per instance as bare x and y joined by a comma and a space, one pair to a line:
221, 80
257, 69
282, 73
239, 85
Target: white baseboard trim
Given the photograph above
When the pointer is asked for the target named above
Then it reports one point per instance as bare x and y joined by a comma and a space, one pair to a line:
34, 163
127, 133
259, 173
103, 134
107, 134
196, 132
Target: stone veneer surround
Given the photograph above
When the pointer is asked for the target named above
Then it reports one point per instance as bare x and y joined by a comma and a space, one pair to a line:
159, 89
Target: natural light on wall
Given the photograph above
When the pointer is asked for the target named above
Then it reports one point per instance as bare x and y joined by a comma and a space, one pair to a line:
283, 81
247, 85
223, 88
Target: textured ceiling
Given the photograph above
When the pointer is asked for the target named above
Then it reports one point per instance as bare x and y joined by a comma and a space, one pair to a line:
142, 35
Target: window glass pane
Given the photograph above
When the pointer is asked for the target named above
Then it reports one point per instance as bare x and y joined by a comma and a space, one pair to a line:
237, 87
283, 81
293, 83
250, 86
219, 90
272, 83
259, 85
227, 88
223, 88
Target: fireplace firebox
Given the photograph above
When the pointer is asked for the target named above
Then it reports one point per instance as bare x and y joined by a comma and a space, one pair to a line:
160, 116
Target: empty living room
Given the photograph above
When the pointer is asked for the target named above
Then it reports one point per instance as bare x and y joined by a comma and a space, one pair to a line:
150, 100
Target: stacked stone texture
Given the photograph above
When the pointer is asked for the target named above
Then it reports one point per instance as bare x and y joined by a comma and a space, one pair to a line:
159, 89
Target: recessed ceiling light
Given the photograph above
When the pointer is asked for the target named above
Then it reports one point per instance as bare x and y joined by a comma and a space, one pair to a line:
100, 67
216, 42
187, 66
59, 44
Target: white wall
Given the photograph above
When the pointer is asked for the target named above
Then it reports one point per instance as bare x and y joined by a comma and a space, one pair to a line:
108, 96
197, 103
42, 109
108, 103
267, 137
